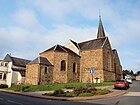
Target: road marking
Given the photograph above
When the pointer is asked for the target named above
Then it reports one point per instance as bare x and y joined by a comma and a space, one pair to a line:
15, 102
132, 94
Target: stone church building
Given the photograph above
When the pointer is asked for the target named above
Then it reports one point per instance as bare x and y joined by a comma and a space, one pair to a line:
73, 62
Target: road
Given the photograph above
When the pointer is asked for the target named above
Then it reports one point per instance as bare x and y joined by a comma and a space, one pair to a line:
132, 97
13, 99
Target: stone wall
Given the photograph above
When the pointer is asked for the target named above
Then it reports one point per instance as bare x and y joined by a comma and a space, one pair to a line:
58, 75
107, 57
35, 74
117, 67
91, 59
73, 76
108, 67
32, 74
46, 77
109, 76
49, 55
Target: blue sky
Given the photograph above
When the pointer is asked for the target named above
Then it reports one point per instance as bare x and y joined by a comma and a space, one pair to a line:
28, 27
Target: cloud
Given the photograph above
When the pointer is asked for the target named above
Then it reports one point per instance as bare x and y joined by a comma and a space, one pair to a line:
39, 24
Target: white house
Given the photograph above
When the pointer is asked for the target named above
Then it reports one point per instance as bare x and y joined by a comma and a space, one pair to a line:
12, 70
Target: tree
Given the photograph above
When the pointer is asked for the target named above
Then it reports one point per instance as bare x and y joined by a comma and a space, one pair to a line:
138, 73
127, 72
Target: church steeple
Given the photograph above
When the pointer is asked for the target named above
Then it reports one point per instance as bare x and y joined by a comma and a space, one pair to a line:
101, 32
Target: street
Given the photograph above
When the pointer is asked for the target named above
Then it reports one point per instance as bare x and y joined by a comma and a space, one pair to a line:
132, 97
13, 99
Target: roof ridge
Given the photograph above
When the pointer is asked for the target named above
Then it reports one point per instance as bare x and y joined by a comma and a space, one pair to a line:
91, 40
63, 48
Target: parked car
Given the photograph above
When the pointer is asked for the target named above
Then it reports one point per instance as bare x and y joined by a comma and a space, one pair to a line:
129, 80
121, 84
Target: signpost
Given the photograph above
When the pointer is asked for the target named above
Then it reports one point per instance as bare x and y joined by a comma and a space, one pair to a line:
92, 72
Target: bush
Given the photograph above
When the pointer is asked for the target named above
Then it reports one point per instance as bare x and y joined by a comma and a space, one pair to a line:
70, 94
85, 94
79, 90
3, 86
59, 91
24, 88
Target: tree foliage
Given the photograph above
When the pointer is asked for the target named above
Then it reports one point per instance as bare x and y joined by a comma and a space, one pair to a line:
128, 72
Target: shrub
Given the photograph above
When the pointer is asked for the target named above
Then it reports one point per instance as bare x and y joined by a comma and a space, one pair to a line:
85, 94
70, 94
3, 86
79, 90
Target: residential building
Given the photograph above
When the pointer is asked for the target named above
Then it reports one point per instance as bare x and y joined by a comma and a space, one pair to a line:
12, 70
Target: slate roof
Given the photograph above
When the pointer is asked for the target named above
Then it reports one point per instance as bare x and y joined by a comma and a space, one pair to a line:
60, 48
41, 60
22, 71
92, 44
16, 61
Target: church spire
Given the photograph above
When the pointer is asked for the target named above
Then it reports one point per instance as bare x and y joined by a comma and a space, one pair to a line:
101, 32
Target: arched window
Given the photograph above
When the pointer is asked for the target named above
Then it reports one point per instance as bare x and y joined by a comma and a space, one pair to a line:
74, 67
63, 65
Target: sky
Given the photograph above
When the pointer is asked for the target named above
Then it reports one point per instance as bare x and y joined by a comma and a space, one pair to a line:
28, 27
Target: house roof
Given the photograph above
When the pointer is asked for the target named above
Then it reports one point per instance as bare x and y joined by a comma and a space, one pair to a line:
75, 43
41, 60
60, 48
22, 71
92, 44
16, 61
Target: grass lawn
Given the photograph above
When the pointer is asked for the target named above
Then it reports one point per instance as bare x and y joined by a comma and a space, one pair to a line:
32, 88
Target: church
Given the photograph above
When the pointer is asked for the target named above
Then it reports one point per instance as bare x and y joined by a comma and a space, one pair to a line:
73, 62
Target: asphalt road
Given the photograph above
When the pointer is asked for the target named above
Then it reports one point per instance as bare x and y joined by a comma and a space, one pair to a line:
13, 99
132, 97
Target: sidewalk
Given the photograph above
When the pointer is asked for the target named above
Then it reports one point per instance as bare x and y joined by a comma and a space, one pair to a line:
39, 94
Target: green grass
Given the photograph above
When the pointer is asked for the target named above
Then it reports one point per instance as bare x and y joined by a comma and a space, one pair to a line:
104, 84
32, 88
85, 94
101, 92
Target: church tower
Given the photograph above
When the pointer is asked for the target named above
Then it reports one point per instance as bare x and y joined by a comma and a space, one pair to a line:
101, 33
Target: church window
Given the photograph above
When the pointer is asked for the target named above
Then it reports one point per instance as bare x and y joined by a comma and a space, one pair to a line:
46, 70
74, 67
63, 65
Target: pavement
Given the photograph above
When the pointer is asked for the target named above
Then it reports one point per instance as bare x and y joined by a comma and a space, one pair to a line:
113, 93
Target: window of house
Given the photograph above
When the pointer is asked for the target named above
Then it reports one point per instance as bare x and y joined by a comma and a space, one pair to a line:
74, 67
1, 75
6, 64
2, 64
63, 65
4, 77
46, 70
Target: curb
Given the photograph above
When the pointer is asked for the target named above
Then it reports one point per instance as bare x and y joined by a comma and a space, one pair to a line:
114, 93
